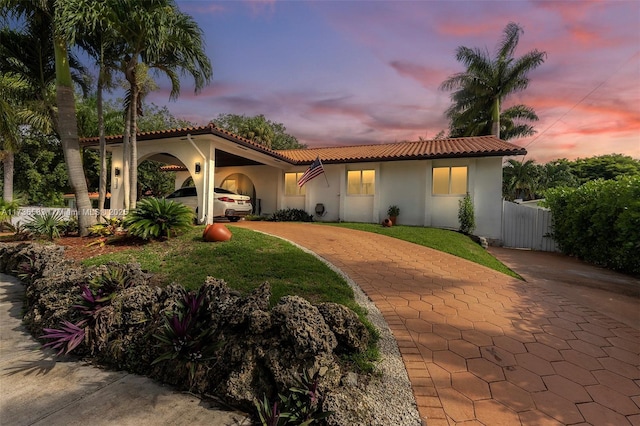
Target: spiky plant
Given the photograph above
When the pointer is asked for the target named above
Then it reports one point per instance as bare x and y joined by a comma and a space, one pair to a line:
66, 338
157, 217
46, 224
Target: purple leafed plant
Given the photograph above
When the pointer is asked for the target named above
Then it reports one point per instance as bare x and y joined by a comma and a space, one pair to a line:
67, 338
92, 303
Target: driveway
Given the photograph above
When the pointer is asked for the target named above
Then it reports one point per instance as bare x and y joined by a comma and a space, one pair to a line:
484, 348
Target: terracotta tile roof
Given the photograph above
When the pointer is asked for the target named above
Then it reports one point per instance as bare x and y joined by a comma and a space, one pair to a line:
209, 129
476, 146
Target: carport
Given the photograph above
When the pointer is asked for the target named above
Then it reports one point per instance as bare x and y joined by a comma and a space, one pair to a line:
209, 155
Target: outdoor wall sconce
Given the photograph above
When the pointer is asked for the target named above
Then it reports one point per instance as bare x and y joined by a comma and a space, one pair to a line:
117, 171
198, 168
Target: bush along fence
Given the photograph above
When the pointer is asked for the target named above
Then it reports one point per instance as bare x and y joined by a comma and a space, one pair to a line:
213, 341
599, 222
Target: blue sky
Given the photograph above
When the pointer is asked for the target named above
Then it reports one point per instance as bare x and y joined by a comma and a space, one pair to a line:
358, 72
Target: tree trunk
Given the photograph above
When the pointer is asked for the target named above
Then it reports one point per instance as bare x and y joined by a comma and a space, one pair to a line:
8, 164
495, 118
102, 186
68, 131
133, 179
126, 157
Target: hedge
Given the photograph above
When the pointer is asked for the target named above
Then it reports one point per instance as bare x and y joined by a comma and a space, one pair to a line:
599, 222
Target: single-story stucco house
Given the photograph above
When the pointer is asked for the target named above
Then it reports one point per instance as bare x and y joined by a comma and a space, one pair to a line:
425, 179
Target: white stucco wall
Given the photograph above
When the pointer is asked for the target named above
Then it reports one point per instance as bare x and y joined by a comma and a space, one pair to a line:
407, 184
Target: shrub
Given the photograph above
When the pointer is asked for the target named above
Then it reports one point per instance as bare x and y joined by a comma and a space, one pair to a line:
291, 215
466, 215
156, 218
301, 406
47, 224
70, 226
7, 210
599, 222
187, 335
107, 228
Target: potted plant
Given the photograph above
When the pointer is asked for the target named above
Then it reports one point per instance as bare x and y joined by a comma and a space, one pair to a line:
393, 213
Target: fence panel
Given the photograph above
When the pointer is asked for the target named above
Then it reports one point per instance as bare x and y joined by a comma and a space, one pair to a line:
526, 227
24, 214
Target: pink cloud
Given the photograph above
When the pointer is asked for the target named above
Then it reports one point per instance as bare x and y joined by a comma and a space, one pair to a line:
428, 77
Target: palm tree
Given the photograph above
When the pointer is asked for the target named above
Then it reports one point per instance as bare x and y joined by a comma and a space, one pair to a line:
157, 34
481, 89
520, 179
27, 58
46, 12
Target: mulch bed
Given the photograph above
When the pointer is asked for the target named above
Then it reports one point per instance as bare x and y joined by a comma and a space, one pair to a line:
80, 248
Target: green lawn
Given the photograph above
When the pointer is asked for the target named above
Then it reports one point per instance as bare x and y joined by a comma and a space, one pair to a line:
245, 262
440, 239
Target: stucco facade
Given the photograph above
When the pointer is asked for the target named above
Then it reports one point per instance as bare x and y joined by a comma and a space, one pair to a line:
214, 158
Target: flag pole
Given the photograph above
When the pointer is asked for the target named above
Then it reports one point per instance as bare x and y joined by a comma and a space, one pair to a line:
325, 174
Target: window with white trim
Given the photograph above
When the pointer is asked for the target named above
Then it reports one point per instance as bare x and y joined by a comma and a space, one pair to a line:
361, 182
291, 187
450, 180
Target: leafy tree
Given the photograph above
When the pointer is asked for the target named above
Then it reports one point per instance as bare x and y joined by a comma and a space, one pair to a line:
152, 181
554, 174
258, 129
160, 118
480, 91
604, 167
43, 176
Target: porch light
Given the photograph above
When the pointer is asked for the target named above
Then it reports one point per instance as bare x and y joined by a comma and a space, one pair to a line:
117, 171
198, 168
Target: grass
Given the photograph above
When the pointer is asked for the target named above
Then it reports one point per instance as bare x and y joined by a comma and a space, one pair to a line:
439, 239
245, 262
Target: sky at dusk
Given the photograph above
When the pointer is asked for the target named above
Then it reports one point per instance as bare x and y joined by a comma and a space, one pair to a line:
362, 72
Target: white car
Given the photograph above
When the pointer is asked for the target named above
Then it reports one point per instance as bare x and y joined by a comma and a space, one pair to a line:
225, 203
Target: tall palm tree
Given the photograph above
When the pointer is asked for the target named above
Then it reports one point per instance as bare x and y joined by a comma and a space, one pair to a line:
45, 11
480, 91
27, 54
157, 34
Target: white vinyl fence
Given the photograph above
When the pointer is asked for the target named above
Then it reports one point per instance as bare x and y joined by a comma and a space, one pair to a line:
527, 227
24, 214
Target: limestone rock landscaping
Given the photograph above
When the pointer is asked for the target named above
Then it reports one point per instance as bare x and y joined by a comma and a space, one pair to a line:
213, 341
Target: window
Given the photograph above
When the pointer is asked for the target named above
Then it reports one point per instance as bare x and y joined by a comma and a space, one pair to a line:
449, 180
291, 184
361, 182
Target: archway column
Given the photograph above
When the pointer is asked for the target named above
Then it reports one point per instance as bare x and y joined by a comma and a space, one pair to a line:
209, 184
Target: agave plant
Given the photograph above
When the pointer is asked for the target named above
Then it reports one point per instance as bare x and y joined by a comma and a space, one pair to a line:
156, 218
66, 338
46, 224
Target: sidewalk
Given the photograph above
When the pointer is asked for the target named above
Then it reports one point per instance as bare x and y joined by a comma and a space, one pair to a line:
38, 389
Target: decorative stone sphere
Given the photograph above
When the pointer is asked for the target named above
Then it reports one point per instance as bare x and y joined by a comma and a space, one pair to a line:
216, 232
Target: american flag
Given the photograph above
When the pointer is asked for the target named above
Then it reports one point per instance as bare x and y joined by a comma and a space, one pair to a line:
315, 170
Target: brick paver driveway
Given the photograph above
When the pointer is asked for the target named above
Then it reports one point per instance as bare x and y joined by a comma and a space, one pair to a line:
482, 347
